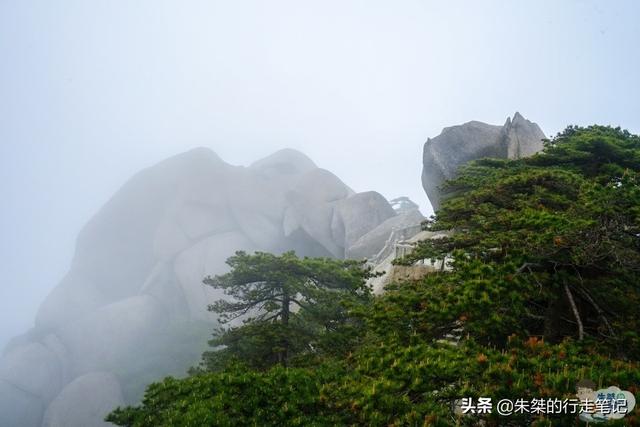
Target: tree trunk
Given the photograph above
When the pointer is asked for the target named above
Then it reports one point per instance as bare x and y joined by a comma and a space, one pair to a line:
285, 322
558, 322
575, 311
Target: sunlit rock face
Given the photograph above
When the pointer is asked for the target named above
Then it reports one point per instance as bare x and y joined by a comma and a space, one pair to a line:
458, 145
132, 307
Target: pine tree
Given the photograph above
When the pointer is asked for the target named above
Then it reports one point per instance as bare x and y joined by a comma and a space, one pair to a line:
286, 305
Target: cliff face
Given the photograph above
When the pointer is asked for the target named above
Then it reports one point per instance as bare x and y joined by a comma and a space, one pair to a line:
457, 145
132, 307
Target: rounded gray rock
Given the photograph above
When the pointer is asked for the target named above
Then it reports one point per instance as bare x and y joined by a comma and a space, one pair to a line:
18, 407
33, 368
85, 402
458, 145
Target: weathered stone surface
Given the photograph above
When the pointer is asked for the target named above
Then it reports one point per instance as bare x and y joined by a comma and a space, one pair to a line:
116, 249
135, 282
524, 138
85, 402
110, 336
163, 285
34, 369
319, 186
403, 204
75, 296
21, 340
206, 258
54, 344
313, 220
458, 145
18, 407
284, 162
371, 243
311, 209
355, 216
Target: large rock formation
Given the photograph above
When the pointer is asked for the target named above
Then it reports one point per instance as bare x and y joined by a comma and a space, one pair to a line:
132, 307
457, 145
371, 244
99, 393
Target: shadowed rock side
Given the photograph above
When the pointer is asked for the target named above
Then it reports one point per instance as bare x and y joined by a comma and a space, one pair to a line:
132, 307
370, 245
457, 145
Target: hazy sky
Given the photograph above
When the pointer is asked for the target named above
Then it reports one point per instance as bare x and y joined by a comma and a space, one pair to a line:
92, 91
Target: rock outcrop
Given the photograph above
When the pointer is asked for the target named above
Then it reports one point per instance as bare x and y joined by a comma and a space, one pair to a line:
99, 393
401, 243
132, 307
371, 245
403, 204
457, 145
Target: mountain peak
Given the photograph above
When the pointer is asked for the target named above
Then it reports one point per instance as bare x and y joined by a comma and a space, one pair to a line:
286, 160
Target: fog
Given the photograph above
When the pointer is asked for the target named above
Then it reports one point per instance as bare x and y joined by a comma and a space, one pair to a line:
92, 92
